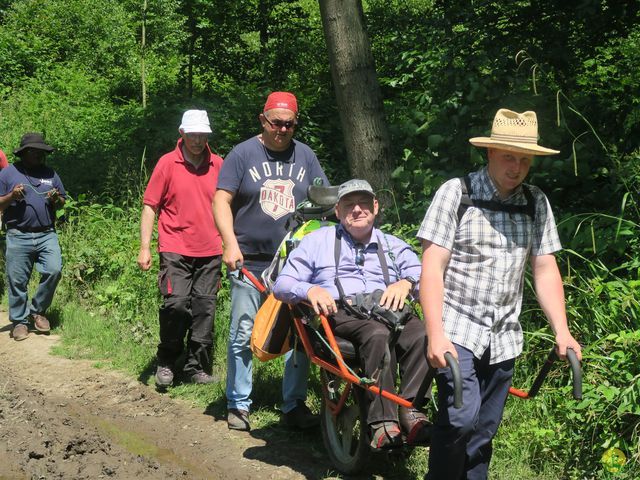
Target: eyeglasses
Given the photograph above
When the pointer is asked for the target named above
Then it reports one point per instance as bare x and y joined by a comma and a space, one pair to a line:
359, 254
278, 124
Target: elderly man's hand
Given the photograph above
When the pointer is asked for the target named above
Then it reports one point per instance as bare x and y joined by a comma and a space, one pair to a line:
144, 258
394, 296
321, 301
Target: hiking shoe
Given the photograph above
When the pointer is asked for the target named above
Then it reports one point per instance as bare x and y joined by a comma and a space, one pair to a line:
164, 376
300, 417
20, 332
41, 323
416, 426
238, 420
202, 378
385, 435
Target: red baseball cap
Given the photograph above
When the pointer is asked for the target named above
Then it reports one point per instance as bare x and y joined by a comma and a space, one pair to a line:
281, 100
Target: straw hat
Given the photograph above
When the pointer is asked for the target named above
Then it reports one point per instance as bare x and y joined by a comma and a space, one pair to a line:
515, 132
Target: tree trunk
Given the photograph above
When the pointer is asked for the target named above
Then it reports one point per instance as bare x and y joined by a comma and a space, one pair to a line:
357, 90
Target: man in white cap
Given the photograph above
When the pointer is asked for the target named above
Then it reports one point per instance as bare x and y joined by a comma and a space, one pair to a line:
180, 192
477, 236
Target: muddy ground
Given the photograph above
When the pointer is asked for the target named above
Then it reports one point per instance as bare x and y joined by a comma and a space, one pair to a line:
66, 419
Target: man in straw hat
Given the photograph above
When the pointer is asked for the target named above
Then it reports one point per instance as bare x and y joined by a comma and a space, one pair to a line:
30, 194
477, 235
261, 182
180, 192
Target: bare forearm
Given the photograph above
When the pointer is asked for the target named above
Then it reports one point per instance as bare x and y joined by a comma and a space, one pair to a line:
550, 292
5, 201
147, 221
224, 218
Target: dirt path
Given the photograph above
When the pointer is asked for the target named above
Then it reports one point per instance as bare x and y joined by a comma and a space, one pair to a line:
65, 419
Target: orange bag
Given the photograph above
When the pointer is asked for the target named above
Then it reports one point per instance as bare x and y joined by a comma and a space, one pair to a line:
272, 330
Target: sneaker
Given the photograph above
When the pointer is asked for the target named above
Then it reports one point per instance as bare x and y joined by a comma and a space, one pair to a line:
238, 420
385, 435
300, 417
20, 332
164, 376
202, 378
41, 323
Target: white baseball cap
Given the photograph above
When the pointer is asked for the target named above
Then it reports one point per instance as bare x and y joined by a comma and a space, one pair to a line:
195, 121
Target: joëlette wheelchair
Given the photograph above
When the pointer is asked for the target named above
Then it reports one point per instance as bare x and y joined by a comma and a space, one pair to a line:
345, 431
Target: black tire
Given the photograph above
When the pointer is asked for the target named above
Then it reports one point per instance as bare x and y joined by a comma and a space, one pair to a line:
345, 435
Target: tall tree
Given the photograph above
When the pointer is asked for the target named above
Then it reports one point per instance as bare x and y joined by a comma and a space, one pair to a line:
358, 96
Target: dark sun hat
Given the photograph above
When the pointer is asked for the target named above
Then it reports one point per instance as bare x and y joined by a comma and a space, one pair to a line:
33, 140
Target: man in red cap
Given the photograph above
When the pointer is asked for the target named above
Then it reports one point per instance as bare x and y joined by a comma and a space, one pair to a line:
261, 182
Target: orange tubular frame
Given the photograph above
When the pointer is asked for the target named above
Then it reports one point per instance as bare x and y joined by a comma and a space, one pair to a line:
341, 370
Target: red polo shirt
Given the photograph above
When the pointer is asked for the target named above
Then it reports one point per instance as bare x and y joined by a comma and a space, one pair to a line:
183, 198
3, 160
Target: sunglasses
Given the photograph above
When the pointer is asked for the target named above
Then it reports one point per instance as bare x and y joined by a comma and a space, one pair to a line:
279, 124
359, 254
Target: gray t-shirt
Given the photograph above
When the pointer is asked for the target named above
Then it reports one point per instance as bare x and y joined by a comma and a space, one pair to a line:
268, 186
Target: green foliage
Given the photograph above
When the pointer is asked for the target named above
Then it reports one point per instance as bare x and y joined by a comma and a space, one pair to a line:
73, 69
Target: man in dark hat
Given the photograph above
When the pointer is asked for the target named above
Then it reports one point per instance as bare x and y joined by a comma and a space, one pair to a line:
30, 193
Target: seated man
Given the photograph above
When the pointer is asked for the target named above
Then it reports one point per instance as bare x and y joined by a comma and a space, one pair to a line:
368, 260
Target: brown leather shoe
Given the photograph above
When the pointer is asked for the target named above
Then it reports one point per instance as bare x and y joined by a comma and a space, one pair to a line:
416, 426
41, 323
20, 332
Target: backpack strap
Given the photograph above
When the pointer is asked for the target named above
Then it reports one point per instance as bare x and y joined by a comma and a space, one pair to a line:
466, 201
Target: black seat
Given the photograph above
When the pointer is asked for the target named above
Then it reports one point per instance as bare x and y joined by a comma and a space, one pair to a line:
348, 350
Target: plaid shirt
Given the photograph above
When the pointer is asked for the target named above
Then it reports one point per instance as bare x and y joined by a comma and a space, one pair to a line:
484, 278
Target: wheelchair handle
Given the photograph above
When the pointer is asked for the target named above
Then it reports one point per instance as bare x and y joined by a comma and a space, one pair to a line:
431, 374
576, 371
552, 357
243, 272
457, 379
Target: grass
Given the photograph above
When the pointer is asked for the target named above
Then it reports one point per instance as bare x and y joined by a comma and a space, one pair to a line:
106, 310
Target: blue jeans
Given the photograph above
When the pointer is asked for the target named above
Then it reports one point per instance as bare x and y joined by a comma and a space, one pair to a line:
245, 302
24, 250
461, 440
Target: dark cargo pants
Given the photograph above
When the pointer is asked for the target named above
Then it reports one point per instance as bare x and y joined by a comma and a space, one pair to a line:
188, 286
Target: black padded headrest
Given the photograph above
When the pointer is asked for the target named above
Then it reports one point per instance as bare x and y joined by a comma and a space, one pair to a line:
322, 196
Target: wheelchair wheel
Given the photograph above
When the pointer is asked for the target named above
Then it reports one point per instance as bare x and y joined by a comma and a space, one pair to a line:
345, 433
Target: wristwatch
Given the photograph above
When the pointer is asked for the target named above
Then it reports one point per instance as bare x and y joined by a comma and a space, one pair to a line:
412, 281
